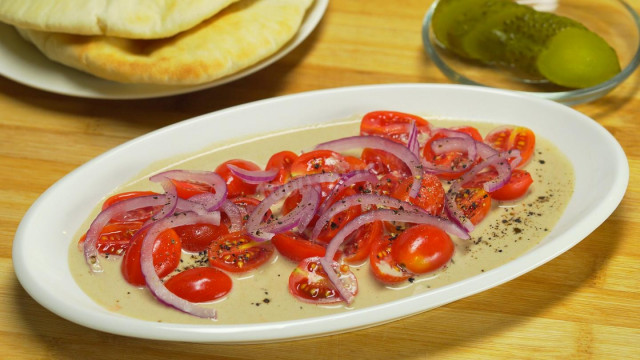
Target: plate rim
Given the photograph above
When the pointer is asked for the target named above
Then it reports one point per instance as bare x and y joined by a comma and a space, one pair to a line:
75, 83
251, 333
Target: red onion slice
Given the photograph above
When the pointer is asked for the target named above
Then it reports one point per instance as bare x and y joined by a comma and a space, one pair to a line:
255, 218
376, 142
154, 283
253, 176
91, 241
331, 268
211, 201
412, 141
234, 213
347, 180
360, 200
300, 216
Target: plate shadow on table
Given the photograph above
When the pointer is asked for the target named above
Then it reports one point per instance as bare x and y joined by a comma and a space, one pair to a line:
461, 324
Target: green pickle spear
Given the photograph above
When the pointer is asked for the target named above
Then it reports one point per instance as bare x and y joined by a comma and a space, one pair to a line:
535, 44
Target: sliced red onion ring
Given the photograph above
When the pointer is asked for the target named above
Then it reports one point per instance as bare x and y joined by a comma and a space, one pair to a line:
211, 201
300, 216
168, 203
255, 218
253, 176
376, 142
360, 200
154, 283
346, 180
412, 141
234, 213
449, 144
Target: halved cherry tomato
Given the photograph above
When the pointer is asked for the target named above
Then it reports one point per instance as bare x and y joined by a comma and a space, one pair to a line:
474, 202
384, 162
505, 138
392, 125
387, 184
198, 237
319, 161
517, 186
142, 214
309, 282
166, 256
383, 265
295, 247
186, 189
430, 197
357, 246
456, 161
422, 248
115, 237
281, 161
235, 185
200, 284
236, 252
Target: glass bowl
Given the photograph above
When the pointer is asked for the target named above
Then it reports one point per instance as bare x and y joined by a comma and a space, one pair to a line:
614, 20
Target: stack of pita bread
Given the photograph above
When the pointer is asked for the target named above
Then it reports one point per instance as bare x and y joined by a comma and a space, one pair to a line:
170, 42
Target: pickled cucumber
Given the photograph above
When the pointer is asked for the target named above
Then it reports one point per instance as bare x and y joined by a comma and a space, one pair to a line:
534, 44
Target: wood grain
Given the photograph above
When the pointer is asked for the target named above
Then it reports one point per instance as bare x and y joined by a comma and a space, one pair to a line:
583, 305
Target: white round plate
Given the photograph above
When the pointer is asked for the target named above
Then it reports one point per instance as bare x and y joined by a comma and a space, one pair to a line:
22, 62
41, 243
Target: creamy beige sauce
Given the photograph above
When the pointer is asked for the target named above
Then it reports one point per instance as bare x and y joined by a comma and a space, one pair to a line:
510, 230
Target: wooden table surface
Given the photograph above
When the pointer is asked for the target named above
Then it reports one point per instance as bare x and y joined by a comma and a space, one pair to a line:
584, 304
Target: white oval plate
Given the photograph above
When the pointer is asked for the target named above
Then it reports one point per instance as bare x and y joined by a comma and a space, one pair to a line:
41, 242
22, 62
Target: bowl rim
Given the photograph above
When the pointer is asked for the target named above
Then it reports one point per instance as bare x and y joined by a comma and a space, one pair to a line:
568, 97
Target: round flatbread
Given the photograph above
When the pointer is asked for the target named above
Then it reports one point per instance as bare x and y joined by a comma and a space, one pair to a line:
239, 36
136, 19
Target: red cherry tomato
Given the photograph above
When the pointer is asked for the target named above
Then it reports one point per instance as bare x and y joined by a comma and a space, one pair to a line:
142, 214
115, 238
186, 189
236, 252
309, 282
166, 256
384, 162
474, 202
357, 246
422, 248
392, 125
458, 162
430, 197
296, 248
281, 161
507, 138
387, 184
200, 284
383, 265
517, 186
197, 237
235, 185
319, 161
339, 220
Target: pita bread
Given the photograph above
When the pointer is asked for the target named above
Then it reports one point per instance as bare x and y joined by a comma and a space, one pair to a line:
136, 19
237, 37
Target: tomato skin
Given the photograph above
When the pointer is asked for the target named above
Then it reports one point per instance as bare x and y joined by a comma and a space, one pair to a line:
124, 196
186, 189
392, 125
236, 252
458, 162
358, 245
115, 238
309, 282
142, 214
296, 248
166, 256
474, 202
281, 161
430, 197
383, 266
515, 188
197, 237
384, 162
422, 248
235, 185
505, 138
200, 284
319, 161
387, 184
